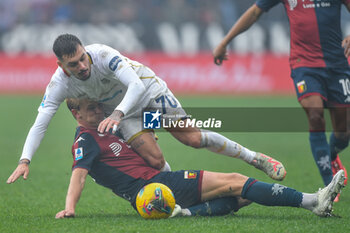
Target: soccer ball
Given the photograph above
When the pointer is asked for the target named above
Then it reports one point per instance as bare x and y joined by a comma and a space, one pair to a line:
155, 201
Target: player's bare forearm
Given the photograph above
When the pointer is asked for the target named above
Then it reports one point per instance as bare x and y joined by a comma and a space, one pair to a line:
111, 122
117, 115
346, 46
243, 23
75, 189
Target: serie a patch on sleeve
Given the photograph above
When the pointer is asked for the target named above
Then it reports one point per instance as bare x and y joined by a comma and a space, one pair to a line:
78, 153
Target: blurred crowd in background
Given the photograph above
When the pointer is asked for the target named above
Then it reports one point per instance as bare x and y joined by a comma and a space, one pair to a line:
143, 12
174, 37
143, 16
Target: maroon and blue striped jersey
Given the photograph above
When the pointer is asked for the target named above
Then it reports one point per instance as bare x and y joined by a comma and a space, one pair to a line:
315, 31
111, 162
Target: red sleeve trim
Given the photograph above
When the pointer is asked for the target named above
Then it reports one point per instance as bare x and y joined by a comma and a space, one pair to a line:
200, 180
312, 93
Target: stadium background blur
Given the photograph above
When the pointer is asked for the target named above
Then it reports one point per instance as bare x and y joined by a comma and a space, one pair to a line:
173, 37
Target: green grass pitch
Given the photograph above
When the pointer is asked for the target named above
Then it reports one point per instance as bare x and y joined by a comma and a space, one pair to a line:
30, 206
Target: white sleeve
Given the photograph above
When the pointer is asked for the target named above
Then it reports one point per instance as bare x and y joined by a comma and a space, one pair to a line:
35, 135
134, 92
52, 99
115, 63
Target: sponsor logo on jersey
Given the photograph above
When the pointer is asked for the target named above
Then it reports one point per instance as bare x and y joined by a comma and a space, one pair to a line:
151, 120
315, 4
301, 86
116, 148
113, 64
292, 4
78, 153
190, 175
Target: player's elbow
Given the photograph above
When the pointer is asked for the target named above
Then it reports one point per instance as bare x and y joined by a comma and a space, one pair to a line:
256, 12
137, 88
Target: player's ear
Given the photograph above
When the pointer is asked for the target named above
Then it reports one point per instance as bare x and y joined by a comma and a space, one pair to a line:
59, 63
75, 113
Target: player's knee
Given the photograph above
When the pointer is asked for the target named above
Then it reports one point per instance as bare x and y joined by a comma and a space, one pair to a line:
234, 183
237, 177
344, 136
156, 161
192, 140
347, 136
316, 119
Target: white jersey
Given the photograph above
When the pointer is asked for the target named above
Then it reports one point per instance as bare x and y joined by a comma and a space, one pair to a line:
108, 83
104, 85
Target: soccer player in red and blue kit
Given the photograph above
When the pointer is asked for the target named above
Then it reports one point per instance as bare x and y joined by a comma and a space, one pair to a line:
319, 69
113, 164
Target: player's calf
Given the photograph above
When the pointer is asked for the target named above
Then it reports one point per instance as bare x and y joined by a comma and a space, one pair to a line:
320, 203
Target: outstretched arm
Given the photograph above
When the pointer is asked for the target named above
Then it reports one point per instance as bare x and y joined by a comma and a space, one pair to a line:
75, 189
243, 23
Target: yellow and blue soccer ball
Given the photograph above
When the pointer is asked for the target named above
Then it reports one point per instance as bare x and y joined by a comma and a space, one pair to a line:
155, 201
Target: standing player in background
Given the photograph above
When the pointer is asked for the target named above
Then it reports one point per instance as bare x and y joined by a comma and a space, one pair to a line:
125, 88
320, 70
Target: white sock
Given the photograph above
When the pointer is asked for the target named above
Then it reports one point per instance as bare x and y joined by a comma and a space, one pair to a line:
219, 144
166, 167
309, 201
185, 212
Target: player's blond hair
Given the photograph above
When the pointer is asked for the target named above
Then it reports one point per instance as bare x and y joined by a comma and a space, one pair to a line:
73, 103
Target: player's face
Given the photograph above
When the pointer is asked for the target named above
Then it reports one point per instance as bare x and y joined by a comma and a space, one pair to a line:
78, 64
90, 114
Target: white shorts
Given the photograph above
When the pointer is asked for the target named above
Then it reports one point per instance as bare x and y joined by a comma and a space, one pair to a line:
132, 126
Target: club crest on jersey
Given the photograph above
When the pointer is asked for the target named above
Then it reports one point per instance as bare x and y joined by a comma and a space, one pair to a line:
152, 120
301, 86
292, 4
190, 175
78, 153
113, 64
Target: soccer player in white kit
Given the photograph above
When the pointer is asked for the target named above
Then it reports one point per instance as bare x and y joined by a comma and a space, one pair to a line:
125, 88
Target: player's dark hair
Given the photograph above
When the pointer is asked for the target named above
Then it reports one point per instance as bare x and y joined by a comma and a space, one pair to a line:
65, 44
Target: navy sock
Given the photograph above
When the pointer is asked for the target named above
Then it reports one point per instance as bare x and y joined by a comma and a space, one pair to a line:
271, 194
321, 153
336, 146
216, 207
